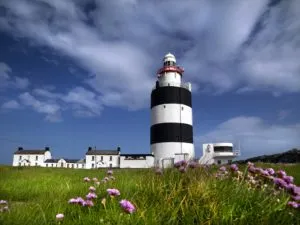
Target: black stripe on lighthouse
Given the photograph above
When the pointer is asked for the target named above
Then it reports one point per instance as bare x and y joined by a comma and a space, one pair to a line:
171, 132
169, 94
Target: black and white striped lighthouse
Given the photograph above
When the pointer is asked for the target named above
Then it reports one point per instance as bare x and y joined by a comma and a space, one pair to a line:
171, 132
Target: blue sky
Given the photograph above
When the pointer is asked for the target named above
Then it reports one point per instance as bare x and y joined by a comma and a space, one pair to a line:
78, 73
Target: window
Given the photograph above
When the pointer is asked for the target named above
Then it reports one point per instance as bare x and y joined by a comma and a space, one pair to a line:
168, 84
219, 162
182, 108
36, 158
20, 157
222, 149
19, 164
229, 161
164, 106
93, 158
110, 165
110, 158
101, 157
46, 164
35, 164
92, 165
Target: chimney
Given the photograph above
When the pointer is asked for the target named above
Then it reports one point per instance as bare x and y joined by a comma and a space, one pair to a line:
47, 148
20, 148
119, 149
90, 149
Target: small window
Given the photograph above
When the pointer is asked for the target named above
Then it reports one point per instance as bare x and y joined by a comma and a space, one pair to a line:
101, 157
182, 108
19, 164
46, 164
110, 158
35, 164
219, 162
110, 165
92, 165
93, 158
20, 157
229, 161
36, 158
164, 106
168, 84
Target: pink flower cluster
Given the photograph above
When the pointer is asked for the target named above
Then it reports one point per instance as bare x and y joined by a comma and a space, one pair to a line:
263, 178
127, 206
89, 197
4, 206
183, 165
113, 192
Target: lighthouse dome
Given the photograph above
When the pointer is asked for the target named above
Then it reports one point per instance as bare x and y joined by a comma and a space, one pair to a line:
169, 58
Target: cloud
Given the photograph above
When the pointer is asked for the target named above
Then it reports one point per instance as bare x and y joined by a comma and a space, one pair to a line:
224, 46
12, 104
52, 110
83, 102
256, 136
7, 81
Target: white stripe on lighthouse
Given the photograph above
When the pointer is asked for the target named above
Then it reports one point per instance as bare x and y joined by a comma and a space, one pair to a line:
170, 113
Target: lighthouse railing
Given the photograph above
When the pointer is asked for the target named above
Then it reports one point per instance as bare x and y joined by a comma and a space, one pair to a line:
187, 86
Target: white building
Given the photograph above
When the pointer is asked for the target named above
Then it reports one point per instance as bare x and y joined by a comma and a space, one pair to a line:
24, 157
218, 153
102, 158
171, 115
136, 160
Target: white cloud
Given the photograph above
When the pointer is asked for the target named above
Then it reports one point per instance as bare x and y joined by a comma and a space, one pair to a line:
256, 136
83, 102
8, 81
121, 43
12, 104
52, 110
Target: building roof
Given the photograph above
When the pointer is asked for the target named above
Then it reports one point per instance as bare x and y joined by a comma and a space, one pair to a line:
30, 152
72, 160
102, 152
136, 155
51, 161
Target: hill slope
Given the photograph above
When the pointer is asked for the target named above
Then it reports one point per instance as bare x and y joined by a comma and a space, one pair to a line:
291, 156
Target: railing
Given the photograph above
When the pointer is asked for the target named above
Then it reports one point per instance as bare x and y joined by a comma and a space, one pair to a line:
185, 85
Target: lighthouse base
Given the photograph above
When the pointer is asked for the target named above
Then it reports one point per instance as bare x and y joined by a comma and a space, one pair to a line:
168, 153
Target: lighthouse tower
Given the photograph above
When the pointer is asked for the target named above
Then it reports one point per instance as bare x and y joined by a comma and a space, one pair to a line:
171, 116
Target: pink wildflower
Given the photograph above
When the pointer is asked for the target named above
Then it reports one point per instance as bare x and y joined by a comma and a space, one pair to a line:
88, 203
281, 173
288, 179
127, 206
3, 202
92, 189
182, 169
222, 168
95, 179
234, 167
109, 172
91, 195
113, 192
86, 179
293, 204
60, 217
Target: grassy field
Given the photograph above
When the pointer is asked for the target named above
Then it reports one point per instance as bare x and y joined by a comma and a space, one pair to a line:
37, 195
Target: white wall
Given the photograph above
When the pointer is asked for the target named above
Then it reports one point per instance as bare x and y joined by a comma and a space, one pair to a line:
102, 164
31, 158
136, 163
168, 149
170, 79
171, 113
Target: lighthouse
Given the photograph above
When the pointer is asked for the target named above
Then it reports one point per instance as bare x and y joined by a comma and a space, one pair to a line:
171, 132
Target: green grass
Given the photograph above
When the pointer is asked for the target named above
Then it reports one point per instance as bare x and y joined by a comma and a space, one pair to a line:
36, 195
